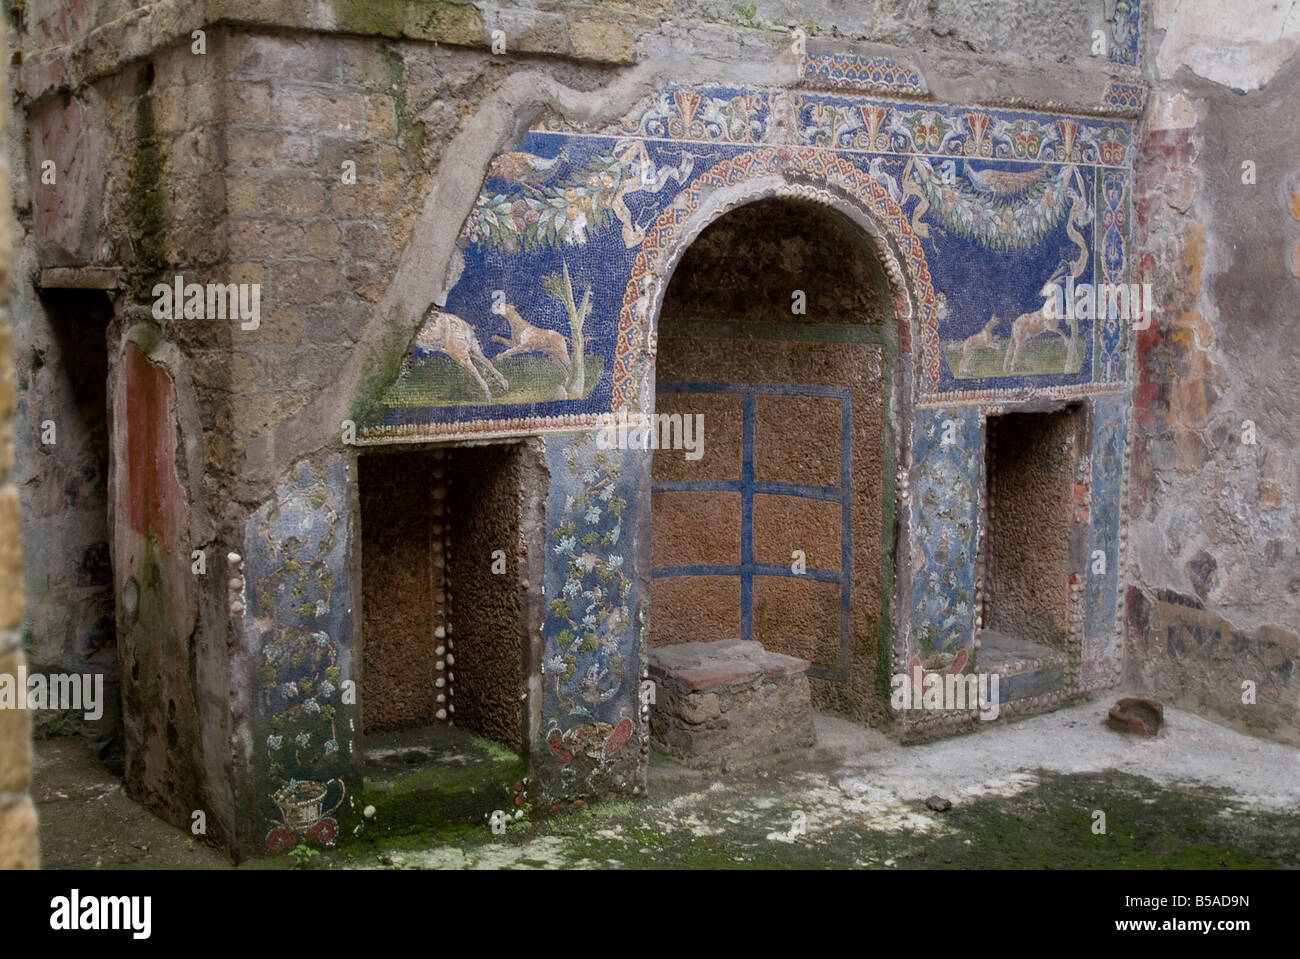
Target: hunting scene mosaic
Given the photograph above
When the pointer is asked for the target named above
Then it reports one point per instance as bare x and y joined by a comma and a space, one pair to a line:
989, 207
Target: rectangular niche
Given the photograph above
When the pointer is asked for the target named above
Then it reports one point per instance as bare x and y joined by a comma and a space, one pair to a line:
443, 634
1030, 461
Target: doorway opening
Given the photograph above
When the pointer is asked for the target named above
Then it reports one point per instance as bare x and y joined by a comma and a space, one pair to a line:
75, 483
444, 639
1030, 461
776, 335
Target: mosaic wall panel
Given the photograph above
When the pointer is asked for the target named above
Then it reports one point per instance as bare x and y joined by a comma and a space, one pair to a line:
542, 330
1125, 41
1101, 646
549, 320
944, 513
296, 631
591, 667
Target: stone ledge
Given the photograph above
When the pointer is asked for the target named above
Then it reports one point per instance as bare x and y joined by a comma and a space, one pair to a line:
729, 699
79, 278
731, 663
609, 37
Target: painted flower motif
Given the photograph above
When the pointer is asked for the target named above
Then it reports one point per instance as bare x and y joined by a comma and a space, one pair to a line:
590, 476
589, 621
327, 689
274, 742
568, 503
606, 494
311, 707
592, 515
331, 745
302, 739
566, 544
615, 562
572, 587
289, 690
613, 534
554, 665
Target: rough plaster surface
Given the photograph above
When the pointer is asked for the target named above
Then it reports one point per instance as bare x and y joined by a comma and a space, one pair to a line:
1240, 45
1030, 515
747, 265
484, 509
399, 578
1214, 569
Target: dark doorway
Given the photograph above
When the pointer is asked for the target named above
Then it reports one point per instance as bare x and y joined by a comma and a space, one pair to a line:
443, 633
1031, 461
75, 485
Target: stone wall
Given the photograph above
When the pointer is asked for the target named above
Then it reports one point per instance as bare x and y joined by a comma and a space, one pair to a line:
1215, 574
18, 848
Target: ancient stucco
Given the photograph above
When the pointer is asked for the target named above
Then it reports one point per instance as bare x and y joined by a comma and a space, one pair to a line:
1214, 600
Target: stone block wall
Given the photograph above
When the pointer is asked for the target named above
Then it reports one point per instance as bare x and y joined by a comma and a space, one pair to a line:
18, 847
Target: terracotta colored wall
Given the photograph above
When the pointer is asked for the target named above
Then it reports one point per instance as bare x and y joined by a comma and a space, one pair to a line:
1031, 463
159, 652
399, 586
727, 320
484, 509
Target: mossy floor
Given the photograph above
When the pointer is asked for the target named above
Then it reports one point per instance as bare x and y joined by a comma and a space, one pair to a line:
735, 826
1024, 794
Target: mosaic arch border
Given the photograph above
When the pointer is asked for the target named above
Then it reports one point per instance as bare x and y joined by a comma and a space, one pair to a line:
763, 174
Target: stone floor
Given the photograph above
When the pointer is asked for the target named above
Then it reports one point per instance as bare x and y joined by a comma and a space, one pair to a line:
1023, 793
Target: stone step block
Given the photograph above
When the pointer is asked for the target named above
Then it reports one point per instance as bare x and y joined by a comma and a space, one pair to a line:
730, 699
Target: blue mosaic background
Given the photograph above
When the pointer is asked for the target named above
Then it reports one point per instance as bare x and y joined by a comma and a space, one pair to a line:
1001, 199
944, 514
297, 633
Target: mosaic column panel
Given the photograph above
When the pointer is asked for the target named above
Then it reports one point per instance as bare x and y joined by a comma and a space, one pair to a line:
1101, 652
592, 719
944, 508
297, 636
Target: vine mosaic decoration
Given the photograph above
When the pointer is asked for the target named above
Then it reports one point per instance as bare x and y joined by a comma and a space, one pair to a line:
592, 656
298, 626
